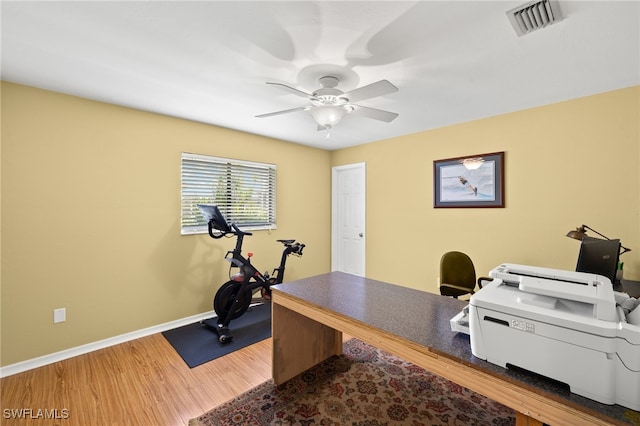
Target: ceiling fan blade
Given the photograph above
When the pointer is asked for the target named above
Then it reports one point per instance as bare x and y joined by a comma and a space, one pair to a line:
291, 89
376, 114
380, 88
269, 114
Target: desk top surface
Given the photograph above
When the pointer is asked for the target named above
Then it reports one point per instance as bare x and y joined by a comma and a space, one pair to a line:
632, 288
423, 318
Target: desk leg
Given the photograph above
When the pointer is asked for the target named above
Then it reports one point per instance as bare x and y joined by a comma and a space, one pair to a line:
524, 420
299, 343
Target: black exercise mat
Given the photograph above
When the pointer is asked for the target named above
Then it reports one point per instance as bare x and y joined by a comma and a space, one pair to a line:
198, 344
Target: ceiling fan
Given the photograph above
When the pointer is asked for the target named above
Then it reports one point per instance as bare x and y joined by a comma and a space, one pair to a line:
329, 104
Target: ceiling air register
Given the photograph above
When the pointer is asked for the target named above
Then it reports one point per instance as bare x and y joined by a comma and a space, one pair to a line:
533, 16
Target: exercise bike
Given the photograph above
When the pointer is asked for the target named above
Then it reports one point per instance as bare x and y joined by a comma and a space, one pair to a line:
234, 297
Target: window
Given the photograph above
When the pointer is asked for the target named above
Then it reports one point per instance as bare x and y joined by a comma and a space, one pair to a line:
244, 192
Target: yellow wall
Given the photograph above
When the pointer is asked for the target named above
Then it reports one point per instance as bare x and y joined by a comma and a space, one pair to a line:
91, 219
566, 164
90, 207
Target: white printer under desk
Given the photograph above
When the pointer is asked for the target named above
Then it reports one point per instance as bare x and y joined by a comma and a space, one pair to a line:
560, 324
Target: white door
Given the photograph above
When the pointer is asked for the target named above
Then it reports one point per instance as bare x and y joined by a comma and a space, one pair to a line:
348, 219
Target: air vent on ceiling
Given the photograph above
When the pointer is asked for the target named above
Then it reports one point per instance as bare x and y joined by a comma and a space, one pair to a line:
533, 16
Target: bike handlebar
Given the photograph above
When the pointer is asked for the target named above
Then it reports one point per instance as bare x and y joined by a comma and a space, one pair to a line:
291, 246
297, 248
210, 228
238, 231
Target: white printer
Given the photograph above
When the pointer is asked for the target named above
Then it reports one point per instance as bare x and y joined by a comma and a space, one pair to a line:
569, 326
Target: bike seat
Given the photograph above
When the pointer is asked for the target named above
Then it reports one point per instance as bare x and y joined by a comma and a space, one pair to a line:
286, 242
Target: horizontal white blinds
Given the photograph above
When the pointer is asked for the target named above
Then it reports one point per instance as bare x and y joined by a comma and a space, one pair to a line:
243, 191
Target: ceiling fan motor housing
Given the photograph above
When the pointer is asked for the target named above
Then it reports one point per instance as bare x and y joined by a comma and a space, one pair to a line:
328, 95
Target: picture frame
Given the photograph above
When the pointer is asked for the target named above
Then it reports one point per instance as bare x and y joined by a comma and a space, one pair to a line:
471, 181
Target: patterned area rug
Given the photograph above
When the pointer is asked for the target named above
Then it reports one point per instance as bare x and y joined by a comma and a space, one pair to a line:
364, 386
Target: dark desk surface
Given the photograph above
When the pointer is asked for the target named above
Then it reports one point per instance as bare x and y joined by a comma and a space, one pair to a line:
380, 305
632, 288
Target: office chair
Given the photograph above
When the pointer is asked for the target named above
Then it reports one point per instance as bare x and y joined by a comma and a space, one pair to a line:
458, 275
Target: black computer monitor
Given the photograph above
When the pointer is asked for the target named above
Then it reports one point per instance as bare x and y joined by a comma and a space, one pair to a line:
212, 213
599, 257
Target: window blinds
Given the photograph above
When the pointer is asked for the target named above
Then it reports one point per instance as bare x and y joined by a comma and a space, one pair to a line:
243, 191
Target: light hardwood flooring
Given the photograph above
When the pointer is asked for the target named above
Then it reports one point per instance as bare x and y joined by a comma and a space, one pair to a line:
142, 382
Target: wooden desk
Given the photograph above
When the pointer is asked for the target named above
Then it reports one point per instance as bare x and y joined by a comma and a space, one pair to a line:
310, 315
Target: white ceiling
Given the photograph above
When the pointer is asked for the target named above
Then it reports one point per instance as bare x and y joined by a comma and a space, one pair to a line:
208, 61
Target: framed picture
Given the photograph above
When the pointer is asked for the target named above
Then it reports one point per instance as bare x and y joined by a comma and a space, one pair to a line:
474, 181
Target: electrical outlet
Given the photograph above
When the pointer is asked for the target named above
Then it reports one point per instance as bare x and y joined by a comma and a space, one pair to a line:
59, 315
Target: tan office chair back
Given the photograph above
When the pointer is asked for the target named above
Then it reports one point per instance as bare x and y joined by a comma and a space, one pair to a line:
457, 274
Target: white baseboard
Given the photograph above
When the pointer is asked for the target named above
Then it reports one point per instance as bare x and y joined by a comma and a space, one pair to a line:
30, 364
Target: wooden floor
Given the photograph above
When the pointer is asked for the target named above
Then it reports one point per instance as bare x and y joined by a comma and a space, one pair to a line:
142, 382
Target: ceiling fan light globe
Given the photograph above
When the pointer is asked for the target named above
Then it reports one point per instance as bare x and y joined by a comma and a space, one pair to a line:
328, 116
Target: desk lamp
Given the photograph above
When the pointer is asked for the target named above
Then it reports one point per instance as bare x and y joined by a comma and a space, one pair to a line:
580, 232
